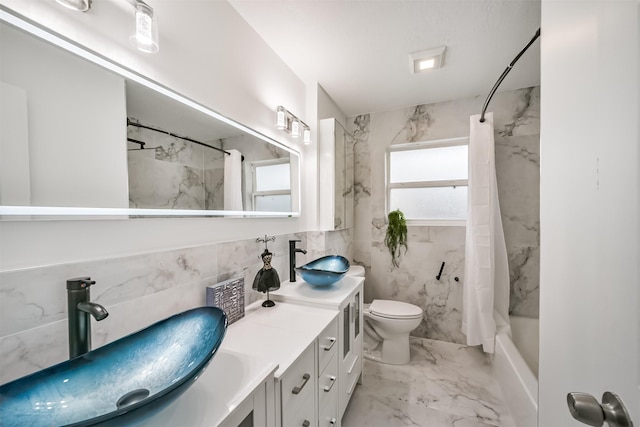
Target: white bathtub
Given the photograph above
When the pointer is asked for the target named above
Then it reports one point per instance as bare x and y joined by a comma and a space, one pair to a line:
512, 365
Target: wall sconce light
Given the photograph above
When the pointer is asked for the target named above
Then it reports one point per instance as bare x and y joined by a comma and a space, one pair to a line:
145, 38
287, 121
426, 60
79, 5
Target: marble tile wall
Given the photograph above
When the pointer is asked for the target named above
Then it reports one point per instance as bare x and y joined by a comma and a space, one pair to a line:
517, 129
136, 290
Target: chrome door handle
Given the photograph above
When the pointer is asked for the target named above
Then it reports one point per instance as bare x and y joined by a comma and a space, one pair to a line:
586, 409
297, 389
330, 346
327, 388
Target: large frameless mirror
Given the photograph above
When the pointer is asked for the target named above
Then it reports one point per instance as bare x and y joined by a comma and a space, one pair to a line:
83, 136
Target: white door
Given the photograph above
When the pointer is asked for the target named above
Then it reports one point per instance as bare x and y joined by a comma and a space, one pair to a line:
589, 221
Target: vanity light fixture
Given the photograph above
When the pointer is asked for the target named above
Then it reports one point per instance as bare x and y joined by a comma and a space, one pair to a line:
281, 118
287, 121
426, 60
79, 5
306, 136
295, 128
145, 38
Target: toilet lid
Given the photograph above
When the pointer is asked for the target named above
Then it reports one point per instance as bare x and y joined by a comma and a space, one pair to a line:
394, 309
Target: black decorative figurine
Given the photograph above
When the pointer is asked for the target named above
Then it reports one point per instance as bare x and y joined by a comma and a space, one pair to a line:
267, 278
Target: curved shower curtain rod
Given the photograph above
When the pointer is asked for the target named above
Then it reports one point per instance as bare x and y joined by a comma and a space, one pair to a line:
504, 74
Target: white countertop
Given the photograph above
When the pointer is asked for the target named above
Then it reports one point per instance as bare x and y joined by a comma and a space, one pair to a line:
278, 334
333, 295
262, 344
229, 379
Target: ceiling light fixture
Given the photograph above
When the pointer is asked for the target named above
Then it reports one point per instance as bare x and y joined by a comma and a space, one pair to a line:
145, 38
426, 60
79, 5
287, 121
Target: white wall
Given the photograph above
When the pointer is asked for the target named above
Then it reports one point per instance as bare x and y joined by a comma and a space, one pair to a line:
207, 53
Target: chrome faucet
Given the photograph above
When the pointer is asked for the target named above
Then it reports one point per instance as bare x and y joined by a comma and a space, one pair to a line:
79, 308
292, 259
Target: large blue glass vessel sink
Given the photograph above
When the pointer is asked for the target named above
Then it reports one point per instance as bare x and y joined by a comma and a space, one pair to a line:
151, 366
324, 271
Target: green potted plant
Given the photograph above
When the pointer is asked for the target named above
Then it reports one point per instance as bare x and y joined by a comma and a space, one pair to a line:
396, 236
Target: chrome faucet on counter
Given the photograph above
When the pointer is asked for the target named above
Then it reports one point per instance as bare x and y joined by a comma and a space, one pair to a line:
79, 308
292, 259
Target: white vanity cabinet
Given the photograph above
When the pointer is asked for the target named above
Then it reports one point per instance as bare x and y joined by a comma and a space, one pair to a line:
295, 392
328, 373
347, 297
351, 348
304, 343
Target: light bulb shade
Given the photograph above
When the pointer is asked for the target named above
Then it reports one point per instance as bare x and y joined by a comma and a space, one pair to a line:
79, 5
145, 37
306, 136
281, 119
295, 128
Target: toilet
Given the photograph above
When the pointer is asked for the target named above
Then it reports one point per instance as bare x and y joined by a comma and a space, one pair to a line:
387, 325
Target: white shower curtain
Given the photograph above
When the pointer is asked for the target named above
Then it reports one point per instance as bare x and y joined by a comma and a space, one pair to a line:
485, 309
233, 181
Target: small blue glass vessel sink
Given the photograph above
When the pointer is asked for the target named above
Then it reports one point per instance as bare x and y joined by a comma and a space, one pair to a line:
325, 271
153, 365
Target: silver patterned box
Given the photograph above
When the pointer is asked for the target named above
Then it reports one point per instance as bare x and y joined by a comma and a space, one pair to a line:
229, 296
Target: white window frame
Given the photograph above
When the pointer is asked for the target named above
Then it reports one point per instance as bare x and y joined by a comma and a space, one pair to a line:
451, 142
252, 170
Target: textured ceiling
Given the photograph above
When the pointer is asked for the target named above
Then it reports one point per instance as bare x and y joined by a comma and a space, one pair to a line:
358, 51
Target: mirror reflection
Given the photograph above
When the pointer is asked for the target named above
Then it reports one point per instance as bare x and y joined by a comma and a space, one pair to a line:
75, 134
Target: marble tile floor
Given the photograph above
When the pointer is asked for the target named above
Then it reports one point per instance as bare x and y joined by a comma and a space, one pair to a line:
443, 385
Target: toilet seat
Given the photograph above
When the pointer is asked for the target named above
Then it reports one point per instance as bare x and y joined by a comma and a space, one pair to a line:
394, 309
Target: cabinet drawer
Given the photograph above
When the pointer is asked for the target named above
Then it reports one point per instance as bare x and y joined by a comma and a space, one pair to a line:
349, 374
327, 383
328, 416
301, 414
299, 381
327, 344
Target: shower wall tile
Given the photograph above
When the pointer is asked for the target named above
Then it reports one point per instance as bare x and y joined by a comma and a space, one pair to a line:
517, 129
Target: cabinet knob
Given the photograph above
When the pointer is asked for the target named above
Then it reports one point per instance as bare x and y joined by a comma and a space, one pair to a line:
306, 423
333, 421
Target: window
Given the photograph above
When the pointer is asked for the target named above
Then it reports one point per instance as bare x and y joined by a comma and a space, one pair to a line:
427, 181
270, 185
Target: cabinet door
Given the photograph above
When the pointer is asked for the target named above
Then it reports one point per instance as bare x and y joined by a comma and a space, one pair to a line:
346, 330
